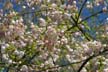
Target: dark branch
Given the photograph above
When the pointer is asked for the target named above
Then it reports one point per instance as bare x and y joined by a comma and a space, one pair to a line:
81, 9
91, 16
91, 57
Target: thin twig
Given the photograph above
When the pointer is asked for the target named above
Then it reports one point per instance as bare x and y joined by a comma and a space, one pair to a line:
76, 23
81, 10
91, 16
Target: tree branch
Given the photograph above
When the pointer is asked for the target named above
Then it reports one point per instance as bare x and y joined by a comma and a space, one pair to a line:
81, 9
60, 66
89, 58
90, 16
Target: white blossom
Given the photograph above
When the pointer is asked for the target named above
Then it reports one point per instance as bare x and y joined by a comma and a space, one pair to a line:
105, 70
3, 48
24, 7
42, 22
24, 68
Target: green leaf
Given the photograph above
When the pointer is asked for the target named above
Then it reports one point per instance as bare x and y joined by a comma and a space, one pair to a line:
86, 25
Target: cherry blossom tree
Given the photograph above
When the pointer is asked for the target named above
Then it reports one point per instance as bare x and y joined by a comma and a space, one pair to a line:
53, 36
